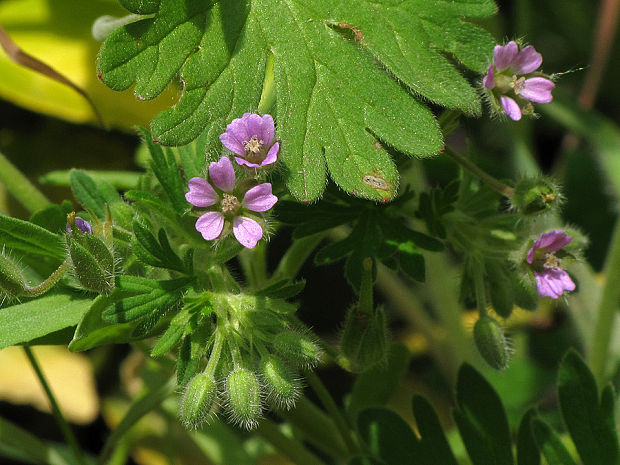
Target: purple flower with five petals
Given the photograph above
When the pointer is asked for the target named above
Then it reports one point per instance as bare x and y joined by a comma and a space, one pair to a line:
225, 209
251, 138
513, 78
551, 280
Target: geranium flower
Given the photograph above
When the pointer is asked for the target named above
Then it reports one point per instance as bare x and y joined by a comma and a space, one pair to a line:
226, 209
551, 280
513, 79
251, 138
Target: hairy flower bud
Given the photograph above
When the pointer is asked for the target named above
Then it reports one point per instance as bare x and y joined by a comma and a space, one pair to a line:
364, 340
283, 387
198, 400
491, 343
244, 402
12, 281
297, 348
92, 263
533, 196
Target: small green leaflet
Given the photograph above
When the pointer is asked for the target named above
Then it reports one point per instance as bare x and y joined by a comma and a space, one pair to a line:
345, 75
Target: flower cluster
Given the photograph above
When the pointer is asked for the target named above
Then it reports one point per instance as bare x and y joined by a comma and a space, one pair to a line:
513, 79
251, 138
551, 280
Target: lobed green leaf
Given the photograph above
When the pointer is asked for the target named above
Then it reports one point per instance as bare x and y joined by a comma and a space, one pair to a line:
344, 77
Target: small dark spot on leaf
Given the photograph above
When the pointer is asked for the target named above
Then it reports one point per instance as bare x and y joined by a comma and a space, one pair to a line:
358, 34
376, 182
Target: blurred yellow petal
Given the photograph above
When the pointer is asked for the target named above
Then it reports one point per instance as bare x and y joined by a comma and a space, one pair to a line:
58, 32
69, 375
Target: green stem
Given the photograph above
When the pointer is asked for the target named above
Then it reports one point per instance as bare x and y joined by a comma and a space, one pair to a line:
137, 410
317, 428
296, 256
20, 187
332, 409
607, 310
493, 183
293, 449
399, 295
65, 429
46, 285
268, 97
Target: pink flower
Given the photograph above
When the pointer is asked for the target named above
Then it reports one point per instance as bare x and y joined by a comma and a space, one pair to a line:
251, 138
512, 79
225, 207
551, 280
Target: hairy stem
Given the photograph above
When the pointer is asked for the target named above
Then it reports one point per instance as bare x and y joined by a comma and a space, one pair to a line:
607, 310
46, 285
64, 426
489, 180
332, 409
20, 187
293, 449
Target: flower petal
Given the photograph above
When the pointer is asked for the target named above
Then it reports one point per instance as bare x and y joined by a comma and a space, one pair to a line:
268, 130
260, 198
232, 143
247, 231
210, 225
552, 241
512, 108
537, 90
489, 79
553, 282
201, 194
504, 55
272, 155
243, 161
255, 125
222, 174
527, 60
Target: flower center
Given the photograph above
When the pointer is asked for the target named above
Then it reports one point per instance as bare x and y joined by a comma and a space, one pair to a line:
230, 205
253, 145
551, 261
517, 84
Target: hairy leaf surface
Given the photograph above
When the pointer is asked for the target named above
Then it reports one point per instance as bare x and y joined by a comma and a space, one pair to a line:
345, 74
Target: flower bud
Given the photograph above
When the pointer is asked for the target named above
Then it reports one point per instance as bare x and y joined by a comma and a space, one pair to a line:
500, 289
244, 401
12, 281
533, 196
93, 263
364, 340
297, 348
284, 389
491, 342
198, 400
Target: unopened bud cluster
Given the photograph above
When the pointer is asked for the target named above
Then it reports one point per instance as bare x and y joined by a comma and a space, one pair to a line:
251, 358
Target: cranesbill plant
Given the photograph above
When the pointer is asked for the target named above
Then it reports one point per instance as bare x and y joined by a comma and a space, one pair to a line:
304, 122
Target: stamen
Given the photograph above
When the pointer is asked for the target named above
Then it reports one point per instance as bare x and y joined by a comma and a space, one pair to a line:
551, 261
253, 145
517, 84
230, 205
